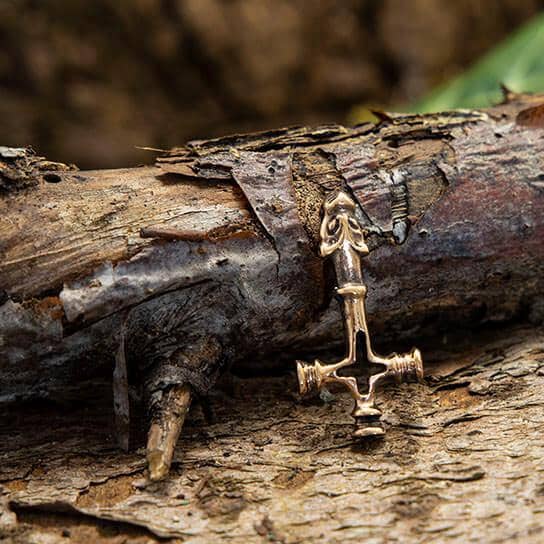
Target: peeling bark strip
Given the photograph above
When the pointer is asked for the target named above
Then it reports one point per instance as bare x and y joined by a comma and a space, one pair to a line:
267, 182
121, 400
230, 276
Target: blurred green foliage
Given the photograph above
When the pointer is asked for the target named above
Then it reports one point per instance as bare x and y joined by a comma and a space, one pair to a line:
518, 63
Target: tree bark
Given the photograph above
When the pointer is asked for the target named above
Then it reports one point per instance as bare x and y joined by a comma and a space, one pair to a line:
461, 462
86, 255
176, 271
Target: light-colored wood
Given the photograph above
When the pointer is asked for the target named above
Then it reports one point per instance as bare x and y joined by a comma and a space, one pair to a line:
60, 231
462, 461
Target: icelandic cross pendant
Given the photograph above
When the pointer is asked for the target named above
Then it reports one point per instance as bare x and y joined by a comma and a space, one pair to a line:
343, 239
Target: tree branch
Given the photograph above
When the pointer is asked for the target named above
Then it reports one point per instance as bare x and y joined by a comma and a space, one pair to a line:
207, 259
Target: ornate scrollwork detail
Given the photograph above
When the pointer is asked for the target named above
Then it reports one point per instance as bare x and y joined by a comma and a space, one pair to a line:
339, 226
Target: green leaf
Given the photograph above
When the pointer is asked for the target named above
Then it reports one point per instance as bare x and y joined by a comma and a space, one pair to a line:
518, 63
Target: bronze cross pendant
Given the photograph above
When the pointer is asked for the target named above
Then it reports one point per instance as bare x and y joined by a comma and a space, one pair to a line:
343, 239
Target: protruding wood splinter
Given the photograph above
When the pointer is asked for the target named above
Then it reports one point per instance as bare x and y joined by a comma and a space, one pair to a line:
165, 429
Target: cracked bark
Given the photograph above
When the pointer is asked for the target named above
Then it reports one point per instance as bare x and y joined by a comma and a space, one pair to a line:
74, 265
226, 272
461, 461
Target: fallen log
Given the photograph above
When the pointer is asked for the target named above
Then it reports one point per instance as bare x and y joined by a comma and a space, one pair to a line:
208, 258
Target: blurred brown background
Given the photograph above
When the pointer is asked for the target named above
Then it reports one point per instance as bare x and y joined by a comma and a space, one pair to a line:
85, 82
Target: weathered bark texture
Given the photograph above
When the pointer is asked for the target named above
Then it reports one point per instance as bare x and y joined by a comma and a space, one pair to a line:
226, 270
173, 273
462, 462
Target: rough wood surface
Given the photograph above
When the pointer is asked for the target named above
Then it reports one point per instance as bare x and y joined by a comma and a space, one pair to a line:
462, 462
207, 260
88, 254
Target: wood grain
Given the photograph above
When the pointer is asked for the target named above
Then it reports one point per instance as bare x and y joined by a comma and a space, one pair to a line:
461, 190
461, 461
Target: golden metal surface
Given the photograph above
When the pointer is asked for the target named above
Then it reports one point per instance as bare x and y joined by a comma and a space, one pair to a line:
342, 238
